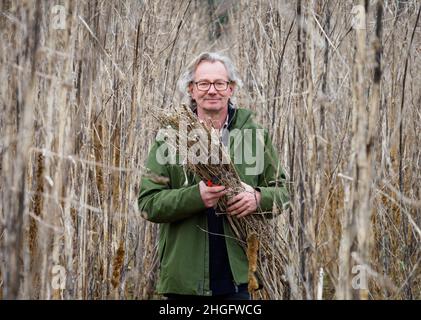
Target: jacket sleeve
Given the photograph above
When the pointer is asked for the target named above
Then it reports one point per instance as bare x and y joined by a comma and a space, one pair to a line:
272, 181
158, 202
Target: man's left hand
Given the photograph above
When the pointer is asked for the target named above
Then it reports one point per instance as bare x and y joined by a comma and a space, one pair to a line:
244, 203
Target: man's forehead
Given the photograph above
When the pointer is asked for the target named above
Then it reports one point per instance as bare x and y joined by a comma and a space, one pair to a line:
207, 69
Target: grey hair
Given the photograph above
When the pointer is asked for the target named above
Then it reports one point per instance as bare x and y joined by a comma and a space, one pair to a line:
188, 76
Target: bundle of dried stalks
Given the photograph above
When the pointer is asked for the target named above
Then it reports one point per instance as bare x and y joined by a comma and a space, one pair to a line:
210, 161
254, 232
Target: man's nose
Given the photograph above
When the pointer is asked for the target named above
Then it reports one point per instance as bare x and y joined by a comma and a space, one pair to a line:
212, 89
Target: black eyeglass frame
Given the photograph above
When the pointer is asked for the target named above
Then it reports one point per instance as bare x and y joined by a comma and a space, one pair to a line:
212, 83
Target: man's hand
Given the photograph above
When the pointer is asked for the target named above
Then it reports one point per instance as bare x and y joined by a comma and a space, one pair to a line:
211, 195
244, 203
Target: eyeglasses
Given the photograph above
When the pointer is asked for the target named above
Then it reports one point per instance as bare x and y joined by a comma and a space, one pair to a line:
219, 85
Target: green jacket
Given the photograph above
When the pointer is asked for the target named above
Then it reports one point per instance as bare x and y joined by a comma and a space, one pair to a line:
177, 206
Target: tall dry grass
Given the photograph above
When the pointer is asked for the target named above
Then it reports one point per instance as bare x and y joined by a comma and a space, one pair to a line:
342, 105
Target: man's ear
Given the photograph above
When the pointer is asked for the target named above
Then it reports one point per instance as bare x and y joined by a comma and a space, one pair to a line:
190, 89
232, 87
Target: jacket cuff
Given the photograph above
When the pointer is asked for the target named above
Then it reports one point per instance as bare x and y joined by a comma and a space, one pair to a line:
266, 199
194, 200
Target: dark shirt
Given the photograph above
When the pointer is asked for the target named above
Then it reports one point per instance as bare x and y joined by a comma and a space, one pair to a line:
221, 279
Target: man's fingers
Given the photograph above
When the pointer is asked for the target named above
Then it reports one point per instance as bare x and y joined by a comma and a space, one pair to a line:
217, 194
235, 199
239, 212
211, 195
243, 214
215, 189
237, 207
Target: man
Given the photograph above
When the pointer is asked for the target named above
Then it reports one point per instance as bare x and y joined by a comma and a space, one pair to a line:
199, 254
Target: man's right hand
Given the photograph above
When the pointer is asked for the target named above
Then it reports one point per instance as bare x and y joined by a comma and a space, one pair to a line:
211, 195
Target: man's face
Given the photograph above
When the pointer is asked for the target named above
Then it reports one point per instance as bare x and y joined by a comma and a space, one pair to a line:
211, 100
